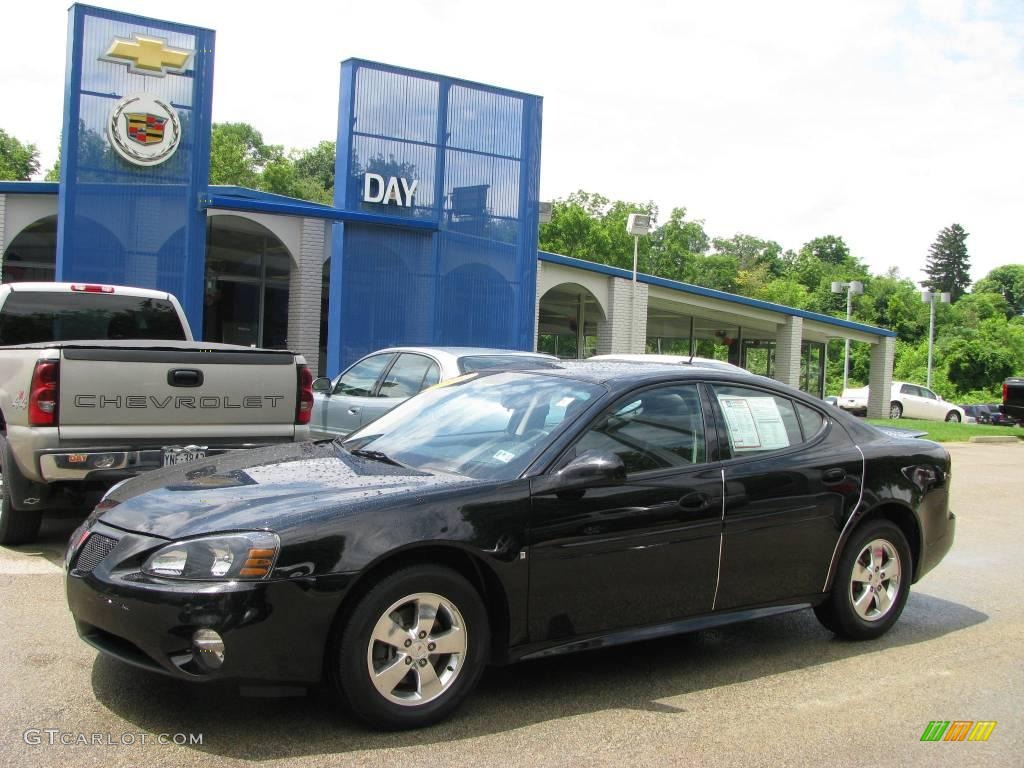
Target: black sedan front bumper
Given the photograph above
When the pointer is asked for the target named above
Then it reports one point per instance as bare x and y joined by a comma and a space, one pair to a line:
273, 631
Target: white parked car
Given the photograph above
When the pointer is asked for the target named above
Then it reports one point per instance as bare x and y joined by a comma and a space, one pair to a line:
906, 400
372, 386
705, 362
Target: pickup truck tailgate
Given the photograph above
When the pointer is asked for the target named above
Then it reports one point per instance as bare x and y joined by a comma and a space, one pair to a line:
130, 390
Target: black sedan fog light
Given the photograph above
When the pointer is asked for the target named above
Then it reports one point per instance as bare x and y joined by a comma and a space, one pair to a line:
208, 649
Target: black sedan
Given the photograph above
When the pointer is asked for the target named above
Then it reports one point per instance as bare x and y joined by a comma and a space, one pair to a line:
509, 516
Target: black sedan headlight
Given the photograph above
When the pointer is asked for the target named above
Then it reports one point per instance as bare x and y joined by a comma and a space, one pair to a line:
230, 556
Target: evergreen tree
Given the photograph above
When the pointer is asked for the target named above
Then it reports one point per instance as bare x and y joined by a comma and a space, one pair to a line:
949, 266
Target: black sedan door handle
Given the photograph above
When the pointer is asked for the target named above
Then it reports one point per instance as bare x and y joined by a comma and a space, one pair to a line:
694, 502
835, 475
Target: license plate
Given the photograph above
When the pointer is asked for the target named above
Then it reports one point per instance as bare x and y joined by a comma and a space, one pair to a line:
182, 457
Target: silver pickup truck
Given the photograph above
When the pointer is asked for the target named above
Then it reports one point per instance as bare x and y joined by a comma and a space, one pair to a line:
99, 383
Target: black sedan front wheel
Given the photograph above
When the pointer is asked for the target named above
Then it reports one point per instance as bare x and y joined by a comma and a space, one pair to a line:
413, 648
871, 583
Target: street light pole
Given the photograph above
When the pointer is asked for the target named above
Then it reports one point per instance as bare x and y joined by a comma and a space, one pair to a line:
929, 297
852, 287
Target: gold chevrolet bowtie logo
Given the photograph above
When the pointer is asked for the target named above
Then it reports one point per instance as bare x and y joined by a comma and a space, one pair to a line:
148, 55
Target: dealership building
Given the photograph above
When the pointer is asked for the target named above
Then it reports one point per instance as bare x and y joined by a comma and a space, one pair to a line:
431, 240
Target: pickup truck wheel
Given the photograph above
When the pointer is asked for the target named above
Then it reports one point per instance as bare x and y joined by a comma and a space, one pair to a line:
16, 526
895, 410
953, 416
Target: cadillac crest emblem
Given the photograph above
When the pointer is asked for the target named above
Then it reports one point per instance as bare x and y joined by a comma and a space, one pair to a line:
144, 129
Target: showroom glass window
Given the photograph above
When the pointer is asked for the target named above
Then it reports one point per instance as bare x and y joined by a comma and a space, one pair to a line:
247, 283
658, 428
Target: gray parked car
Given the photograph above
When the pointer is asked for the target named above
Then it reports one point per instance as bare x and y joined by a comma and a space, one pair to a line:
374, 385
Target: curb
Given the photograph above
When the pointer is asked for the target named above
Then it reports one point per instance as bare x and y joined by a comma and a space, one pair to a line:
994, 439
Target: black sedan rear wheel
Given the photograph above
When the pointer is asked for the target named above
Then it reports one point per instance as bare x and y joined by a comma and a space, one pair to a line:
871, 583
413, 648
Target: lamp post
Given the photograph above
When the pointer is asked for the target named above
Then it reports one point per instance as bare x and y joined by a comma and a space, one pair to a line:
929, 297
637, 224
852, 288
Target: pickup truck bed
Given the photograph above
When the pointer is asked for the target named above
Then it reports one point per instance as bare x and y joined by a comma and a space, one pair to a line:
1013, 397
78, 415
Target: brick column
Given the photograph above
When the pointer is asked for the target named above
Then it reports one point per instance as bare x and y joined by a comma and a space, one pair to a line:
3, 223
787, 351
616, 334
536, 307
880, 377
304, 292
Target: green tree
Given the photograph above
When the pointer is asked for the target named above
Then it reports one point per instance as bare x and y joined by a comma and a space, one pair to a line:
18, 162
751, 251
316, 165
829, 249
238, 155
592, 227
675, 247
1007, 281
948, 267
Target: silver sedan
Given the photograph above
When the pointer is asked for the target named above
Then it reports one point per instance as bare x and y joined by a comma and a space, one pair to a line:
374, 385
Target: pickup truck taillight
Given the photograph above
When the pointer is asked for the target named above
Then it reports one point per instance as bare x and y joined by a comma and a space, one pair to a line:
1006, 391
42, 402
304, 400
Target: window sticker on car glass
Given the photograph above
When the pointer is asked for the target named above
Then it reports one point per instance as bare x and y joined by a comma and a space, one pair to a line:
565, 402
504, 456
740, 421
754, 423
769, 422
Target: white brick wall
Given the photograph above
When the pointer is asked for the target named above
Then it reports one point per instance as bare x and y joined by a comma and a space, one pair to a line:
880, 377
616, 334
3, 219
536, 306
787, 351
304, 298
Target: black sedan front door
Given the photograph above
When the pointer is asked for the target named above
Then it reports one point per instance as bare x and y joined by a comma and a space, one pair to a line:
645, 552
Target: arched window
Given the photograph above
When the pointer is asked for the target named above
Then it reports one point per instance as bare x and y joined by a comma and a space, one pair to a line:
248, 270
32, 254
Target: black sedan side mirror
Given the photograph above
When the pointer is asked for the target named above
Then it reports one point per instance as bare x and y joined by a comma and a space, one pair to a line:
322, 384
591, 469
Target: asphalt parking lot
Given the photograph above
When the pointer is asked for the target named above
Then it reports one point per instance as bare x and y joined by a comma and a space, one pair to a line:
780, 691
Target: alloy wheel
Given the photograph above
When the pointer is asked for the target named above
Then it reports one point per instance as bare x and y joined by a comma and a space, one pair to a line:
417, 649
875, 580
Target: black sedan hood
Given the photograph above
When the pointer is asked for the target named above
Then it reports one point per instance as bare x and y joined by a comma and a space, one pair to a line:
270, 488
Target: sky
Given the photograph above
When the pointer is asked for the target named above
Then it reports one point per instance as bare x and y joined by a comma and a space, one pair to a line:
881, 121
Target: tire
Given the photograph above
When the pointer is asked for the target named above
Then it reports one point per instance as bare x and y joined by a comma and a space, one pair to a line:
866, 600
17, 526
953, 416
434, 683
895, 410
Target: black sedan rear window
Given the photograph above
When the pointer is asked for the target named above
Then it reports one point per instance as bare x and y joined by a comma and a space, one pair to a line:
32, 318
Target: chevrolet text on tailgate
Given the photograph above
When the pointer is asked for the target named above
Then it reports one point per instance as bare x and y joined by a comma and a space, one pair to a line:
99, 383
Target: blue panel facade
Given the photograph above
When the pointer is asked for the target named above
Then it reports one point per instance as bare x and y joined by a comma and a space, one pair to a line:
120, 221
462, 157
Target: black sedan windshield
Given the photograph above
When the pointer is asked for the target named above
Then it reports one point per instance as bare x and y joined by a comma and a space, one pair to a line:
486, 427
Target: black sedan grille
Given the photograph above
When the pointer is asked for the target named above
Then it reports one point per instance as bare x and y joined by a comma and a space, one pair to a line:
96, 548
